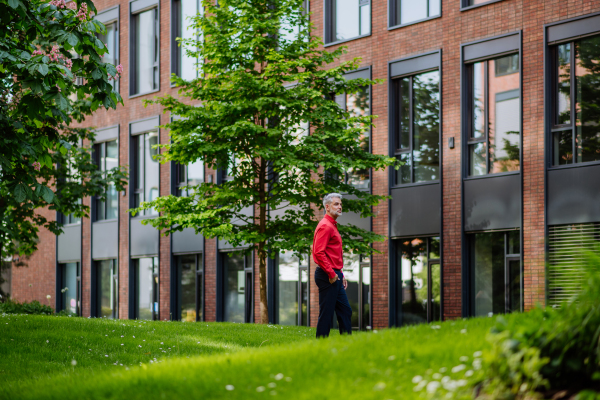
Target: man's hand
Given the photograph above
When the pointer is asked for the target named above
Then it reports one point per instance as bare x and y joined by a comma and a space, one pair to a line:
332, 280
345, 283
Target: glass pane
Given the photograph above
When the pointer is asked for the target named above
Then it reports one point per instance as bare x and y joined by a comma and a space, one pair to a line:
412, 10
287, 288
100, 206
404, 132
195, 173
587, 106
426, 116
413, 275
346, 19
357, 104
366, 297
304, 296
139, 171
365, 19
474, 2
514, 285
504, 118
144, 49
434, 8
563, 98
477, 163
187, 288
436, 293
487, 274
112, 198
145, 284
189, 8
514, 242
69, 288
234, 287
152, 169
434, 248
562, 147
403, 174
352, 275
106, 289
478, 100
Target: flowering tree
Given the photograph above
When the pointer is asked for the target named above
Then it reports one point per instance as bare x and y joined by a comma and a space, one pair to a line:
51, 74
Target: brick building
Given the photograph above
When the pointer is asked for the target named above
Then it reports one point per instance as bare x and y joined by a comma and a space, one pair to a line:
491, 104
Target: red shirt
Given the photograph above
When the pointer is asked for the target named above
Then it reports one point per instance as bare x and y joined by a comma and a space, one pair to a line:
327, 246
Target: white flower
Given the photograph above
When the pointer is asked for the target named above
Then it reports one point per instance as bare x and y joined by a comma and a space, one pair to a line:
260, 388
73, 362
458, 368
435, 326
477, 354
463, 331
443, 369
469, 373
464, 359
379, 386
391, 358
47, 341
417, 379
229, 387
446, 379
420, 386
461, 382
433, 386
288, 379
272, 385
279, 377
106, 355
48, 296
477, 364
437, 376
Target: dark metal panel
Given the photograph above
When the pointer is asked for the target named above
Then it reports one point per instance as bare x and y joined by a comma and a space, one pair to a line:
491, 47
492, 203
143, 126
106, 134
69, 244
415, 64
187, 241
105, 239
224, 244
416, 210
105, 16
352, 218
141, 5
574, 195
144, 239
573, 29
361, 73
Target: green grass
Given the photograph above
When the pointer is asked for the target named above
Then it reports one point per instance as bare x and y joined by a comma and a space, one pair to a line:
180, 360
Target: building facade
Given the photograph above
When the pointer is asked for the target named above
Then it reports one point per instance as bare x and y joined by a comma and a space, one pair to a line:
492, 105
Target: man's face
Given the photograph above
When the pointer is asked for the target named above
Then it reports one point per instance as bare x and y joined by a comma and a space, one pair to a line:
335, 207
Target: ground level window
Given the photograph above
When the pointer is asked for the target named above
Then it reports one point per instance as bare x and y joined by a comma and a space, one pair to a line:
495, 273
108, 288
238, 284
146, 271
190, 294
292, 289
357, 271
71, 287
419, 276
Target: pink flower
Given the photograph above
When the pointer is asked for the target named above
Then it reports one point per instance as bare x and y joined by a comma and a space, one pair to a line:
119, 69
37, 166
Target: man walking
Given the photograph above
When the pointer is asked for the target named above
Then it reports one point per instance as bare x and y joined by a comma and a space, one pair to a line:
327, 254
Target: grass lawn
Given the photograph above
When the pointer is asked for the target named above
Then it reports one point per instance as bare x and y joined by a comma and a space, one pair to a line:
171, 360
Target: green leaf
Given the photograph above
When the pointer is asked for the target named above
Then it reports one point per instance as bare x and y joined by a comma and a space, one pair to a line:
97, 74
20, 192
73, 40
63, 150
43, 68
99, 43
47, 194
38, 190
47, 160
25, 55
66, 144
14, 3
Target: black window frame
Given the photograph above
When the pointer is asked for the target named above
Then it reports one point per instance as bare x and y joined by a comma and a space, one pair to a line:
301, 268
115, 278
115, 24
465, 6
249, 277
138, 187
181, 177
97, 202
329, 23
200, 295
176, 32
393, 22
136, 288
133, 21
62, 279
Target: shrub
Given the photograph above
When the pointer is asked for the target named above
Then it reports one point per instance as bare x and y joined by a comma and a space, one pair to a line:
34, 307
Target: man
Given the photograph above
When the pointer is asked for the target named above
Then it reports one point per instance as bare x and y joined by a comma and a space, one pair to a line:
327, 254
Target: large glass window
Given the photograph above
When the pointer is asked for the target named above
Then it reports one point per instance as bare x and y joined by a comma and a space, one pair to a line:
107, 158
495, 273
292, 289
190, 294
146, 288
71, 287
108, 289
419, 280
348, 19
111, 41
576, 125
145, 52
185, 65
495, 116
418, 128
357, 271
407, 11
238, 279
146, 169
189, 175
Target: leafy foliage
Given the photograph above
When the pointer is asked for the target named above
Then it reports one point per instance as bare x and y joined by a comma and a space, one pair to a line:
34, 307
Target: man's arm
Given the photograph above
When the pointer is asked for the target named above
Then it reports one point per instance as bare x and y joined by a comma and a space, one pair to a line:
320, 242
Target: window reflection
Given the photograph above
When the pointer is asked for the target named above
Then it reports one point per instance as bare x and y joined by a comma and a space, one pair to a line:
147, 288
351, 18
146, 171
146, 54
108, 288
357, 104
415, 10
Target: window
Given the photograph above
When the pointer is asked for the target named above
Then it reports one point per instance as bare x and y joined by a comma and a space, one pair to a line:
405, 12
357, 271
495, 273
190, 294
71, 287
292, 289
189, 175
575, 131
291, 33
70, 219
495, 116
145, 51
358, 104
108, 289
107, 158
184, 65
238, 282
111, 41
469, 3
418, 128
146, 289
145, 170
348, 19
419, 280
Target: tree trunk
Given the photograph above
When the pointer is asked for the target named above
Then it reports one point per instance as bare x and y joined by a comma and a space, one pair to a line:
262, 255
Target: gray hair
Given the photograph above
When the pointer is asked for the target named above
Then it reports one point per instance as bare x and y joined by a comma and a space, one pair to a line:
327, 199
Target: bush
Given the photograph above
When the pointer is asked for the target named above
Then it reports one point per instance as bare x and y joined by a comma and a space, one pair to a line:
13, 307
554, 354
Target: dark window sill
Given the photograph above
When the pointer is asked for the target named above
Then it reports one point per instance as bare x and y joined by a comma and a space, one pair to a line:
479, 5
407, 185
472, 178
391, 28
143, 94
574, 165
105, 221
346, 40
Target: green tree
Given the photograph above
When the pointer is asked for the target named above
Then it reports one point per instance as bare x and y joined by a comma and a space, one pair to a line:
264, 78
51, 74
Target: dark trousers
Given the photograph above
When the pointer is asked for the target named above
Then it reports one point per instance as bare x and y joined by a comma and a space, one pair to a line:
332, 297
